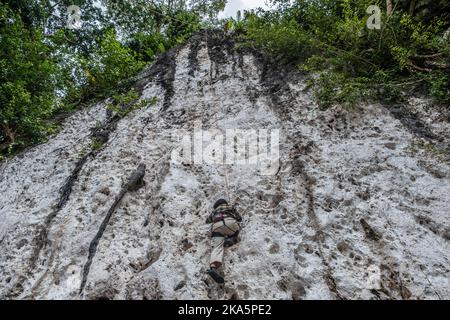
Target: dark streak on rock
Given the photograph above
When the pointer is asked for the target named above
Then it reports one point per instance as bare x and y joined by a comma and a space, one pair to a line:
101, 135
195, 43
218, 47
391, 276
369, 231
411, 122
135, 181
163, 70
309, 182
434, 227
416, 126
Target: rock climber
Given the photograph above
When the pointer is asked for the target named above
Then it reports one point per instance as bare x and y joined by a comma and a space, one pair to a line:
224, 233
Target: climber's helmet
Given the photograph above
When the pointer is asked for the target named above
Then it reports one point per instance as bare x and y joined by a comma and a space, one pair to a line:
219, 203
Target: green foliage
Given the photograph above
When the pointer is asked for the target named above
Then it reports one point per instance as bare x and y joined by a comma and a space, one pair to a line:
95, 144
183, 25
46, 68
180, 26
28, 78
353, 63
110, 63
123, 104
440, 86
147, 46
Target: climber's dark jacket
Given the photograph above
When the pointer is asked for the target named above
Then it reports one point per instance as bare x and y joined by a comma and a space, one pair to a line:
223, 211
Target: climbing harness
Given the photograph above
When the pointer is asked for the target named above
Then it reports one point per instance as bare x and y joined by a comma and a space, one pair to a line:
221, 215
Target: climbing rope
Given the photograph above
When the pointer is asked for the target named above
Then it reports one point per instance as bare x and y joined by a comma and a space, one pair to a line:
227, 186
219, 108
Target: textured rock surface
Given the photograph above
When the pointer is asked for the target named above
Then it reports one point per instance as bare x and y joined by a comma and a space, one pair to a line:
352, 192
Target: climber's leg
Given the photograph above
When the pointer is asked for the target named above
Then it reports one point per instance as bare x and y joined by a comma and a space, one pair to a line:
220, 231
216, 251
216, 257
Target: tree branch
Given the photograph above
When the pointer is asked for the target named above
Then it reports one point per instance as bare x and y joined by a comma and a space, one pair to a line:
427, 56
419, 68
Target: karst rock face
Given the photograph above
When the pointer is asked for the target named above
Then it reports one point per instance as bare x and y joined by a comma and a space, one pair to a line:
352, 210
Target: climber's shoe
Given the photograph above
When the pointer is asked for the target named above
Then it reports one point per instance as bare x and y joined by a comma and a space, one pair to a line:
215, 275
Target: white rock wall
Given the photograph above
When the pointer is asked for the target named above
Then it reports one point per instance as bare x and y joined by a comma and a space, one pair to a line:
350, 193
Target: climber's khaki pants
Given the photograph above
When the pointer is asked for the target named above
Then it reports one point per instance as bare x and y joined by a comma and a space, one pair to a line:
226, 228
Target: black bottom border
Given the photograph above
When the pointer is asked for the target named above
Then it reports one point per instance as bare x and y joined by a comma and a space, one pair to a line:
223, 309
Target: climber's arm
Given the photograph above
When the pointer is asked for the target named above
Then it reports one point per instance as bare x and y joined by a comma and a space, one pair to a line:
236, 215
